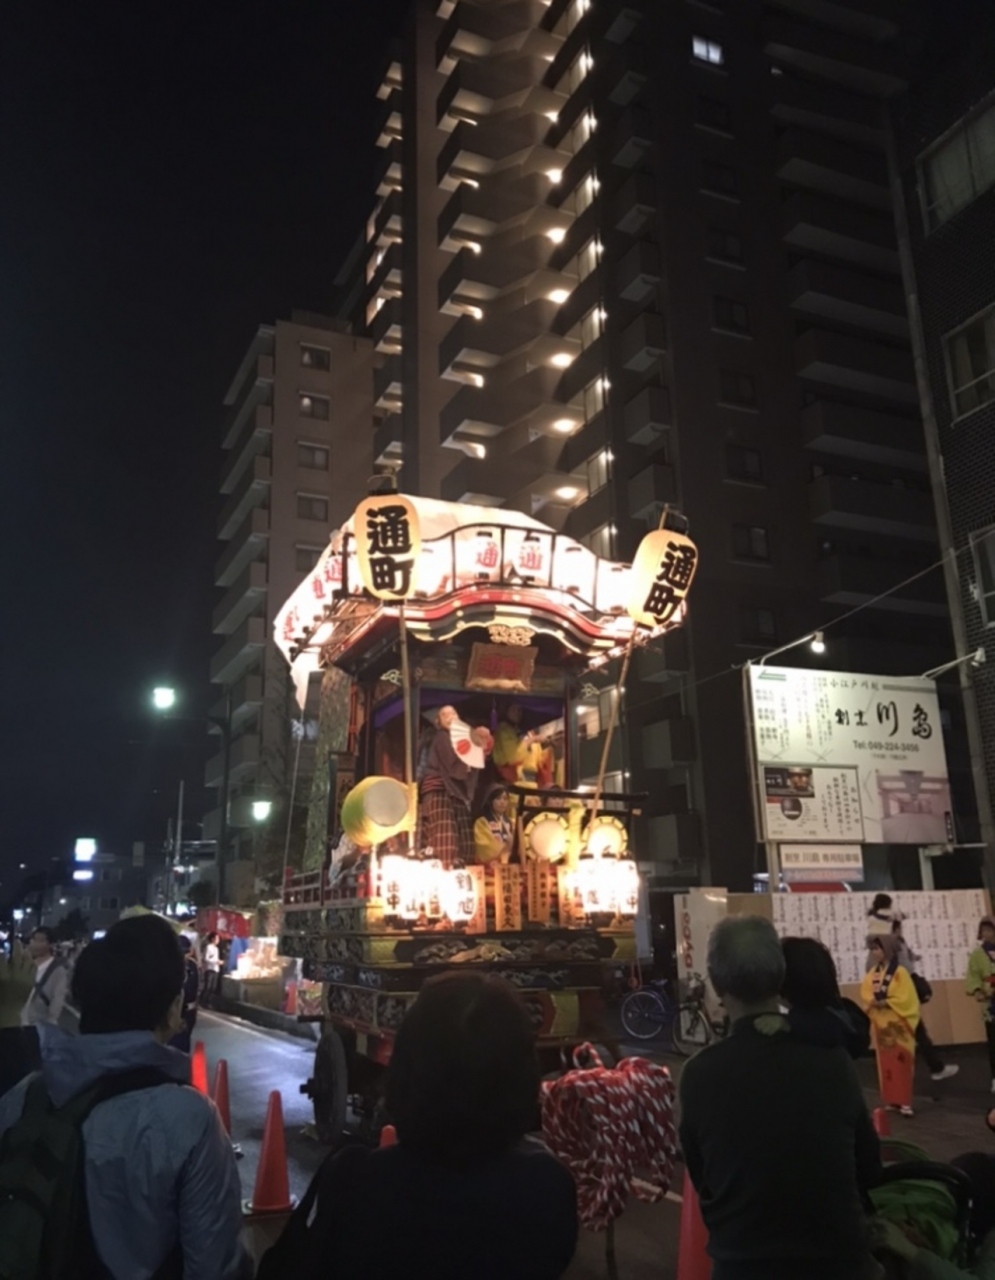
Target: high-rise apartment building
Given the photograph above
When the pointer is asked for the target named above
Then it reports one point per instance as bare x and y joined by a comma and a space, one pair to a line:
625, 253
945, 161
297, 453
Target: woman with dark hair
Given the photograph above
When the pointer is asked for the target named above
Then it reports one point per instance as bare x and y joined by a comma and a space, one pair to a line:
892, 1005
881, 916
493, 832
463, 1192
817, 1012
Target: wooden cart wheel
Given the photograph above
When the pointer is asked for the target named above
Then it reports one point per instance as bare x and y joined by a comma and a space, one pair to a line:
330, 1087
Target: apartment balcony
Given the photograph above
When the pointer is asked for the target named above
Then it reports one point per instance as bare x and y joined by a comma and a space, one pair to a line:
643, 342
834, 168
650, 490
387, 384
634, 203
638, 273
245, 544
241, 599
251, 491
668, 743
591, 514
855, 580
490, 410
840, 503
647, 416
876, 20
387, 119
388, 169
475, 212
585, 367
631, 137
471, 32
813, 49
246, 699
243, 761
257, 389
835, 230
852, 431
533, 467
385, 328
239, 651
474, 149
848, 297
254, 439
663, 659
474, 88
485, 343
674, 840
856, 365
480, 276
387, 276
823, 108
388, 439
387, 224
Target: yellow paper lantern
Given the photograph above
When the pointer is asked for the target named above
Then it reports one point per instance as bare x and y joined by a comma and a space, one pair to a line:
662, 573
376, 809
388, 543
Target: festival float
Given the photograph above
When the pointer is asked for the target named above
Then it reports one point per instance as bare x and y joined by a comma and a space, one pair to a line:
453, 641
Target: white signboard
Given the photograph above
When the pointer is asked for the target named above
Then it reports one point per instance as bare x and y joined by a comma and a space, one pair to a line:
821, 863
886, 728
695, 916
811, 802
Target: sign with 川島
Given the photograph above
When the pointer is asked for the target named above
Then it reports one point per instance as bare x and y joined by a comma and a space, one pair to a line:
847, 757
821, 863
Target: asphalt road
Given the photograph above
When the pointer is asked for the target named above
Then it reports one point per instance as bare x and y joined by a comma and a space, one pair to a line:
260, 1061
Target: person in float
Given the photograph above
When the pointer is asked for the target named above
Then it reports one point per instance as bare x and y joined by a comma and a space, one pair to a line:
882, 915
493, 833
518, 753
446, 794
890, 1001
981, 983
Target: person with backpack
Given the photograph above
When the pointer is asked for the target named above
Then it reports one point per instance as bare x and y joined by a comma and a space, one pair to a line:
51, 985
463, 1192
111, 1166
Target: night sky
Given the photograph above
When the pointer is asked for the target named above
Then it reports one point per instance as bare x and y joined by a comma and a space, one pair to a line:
170, 177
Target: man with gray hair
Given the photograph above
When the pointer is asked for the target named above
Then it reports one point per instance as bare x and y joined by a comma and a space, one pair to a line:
776, 1134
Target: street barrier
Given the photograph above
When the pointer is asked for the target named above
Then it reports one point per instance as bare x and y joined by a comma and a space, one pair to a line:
693, 1262
198, 1069
220, 1094
271, 1193
882, 1122
388, 1136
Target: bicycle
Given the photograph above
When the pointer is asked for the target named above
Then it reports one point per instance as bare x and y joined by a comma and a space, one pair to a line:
651, 1010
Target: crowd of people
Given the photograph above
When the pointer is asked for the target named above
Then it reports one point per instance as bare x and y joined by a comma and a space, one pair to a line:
774, 1127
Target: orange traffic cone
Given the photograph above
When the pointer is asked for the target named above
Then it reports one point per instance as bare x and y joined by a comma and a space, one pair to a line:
198, 1068
882, 1122
220, 1094
388, 1136
693, 1262
271, 1193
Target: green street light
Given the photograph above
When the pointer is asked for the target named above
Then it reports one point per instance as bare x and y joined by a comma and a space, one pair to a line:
163, 698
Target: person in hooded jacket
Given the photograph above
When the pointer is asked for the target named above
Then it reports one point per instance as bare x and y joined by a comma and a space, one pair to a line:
162, 1187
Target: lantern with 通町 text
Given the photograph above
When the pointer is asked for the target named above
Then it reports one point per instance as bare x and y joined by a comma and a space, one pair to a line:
662, 573
388, 543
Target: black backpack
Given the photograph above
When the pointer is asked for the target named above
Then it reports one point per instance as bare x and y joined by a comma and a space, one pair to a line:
44, 1225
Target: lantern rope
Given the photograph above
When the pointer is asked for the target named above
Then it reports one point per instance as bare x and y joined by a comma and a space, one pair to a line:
614, 1130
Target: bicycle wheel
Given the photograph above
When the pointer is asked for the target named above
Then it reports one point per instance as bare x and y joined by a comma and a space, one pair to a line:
691, 1030
644, 1015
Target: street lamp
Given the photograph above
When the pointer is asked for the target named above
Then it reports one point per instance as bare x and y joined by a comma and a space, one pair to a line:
163, 698
261, 809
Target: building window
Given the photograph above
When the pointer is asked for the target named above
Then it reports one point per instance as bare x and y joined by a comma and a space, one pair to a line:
718, 179
592, 327
757, 626
958, 169
312, 507
709, 51
311, 406
971, 364
731, 315
737, 389
587, 259
305, 558
600, 541
315, 357
713, 114
587, 189
108, 904
312, 456
749, 542
724, 246
983, 549
744, 464
594, 398
598, 471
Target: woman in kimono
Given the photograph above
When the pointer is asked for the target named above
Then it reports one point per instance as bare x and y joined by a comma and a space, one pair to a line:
890, 1001
493, 832
981, 983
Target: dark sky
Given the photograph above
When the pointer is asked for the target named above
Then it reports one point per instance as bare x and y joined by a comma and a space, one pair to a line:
170, 176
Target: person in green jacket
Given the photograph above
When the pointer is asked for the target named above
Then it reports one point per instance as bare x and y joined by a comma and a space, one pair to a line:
981, 983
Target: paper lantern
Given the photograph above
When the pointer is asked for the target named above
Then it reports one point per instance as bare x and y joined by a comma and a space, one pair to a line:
388, 543
662, 573
458, 895
375, 810
606, 837
529, 554
546, 837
